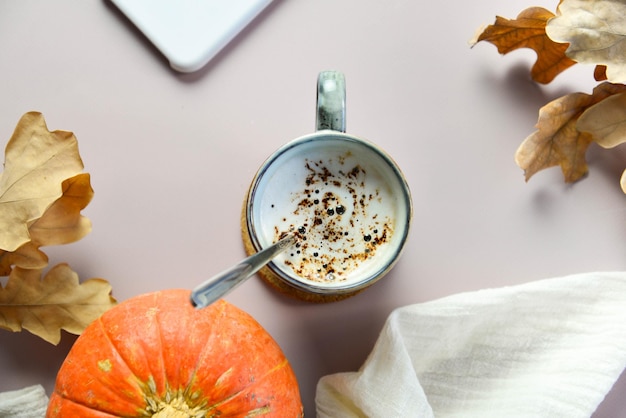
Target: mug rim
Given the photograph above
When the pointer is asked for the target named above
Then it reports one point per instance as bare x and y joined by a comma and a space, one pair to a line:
329, 135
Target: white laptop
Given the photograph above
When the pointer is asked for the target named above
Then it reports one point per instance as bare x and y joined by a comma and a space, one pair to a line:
190, 32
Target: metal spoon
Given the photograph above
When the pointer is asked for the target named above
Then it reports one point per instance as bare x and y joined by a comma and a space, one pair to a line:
218, 286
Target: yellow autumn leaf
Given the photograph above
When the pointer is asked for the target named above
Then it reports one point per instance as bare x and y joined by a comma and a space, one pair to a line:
42, 194
61, 223
558, 141
57, 301
596, 33
606, 122
528, 30
36, 163
27, 256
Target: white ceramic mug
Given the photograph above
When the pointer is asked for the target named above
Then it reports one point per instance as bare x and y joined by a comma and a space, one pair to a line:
344, 198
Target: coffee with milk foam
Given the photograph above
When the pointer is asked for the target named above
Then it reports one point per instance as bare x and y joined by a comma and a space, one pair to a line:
344, 203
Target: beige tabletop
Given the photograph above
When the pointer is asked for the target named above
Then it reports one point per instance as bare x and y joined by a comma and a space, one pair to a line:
171, 156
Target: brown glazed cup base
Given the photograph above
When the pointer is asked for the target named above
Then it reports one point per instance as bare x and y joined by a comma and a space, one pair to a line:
275, 282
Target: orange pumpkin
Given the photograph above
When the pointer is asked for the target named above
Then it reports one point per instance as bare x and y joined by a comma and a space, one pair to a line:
155, 355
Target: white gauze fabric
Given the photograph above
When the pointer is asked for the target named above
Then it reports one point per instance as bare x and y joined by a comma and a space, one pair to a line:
29, 402
551, 348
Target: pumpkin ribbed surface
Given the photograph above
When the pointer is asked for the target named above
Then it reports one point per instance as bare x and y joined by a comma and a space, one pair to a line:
155, 355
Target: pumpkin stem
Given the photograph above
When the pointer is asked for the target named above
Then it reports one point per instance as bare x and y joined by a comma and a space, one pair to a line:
175, 408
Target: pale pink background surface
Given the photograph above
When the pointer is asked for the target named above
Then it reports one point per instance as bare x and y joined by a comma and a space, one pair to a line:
171, 157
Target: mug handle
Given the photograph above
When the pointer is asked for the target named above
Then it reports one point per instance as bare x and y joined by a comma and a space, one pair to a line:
331, 101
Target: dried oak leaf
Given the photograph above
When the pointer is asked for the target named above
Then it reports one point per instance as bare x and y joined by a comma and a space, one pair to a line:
599, 73
558, 141
528, 30
57, 301
596, 33
606, 122
37, 162
61, 223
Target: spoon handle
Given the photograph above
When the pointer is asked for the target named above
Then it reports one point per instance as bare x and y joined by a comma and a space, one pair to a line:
219, 285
